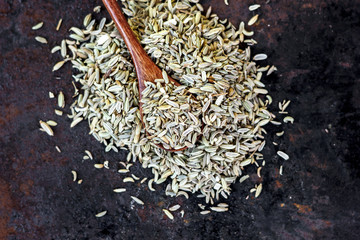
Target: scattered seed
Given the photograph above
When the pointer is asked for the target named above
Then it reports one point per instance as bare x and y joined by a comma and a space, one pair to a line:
38, 26
253, 20
58, 112
258, 172
46, 128
101, 214
271, 70
41, 39
55, 49
57, 149
75, 122
150, 185
283, 155
254, 7
120, 190
63, 48
97, 9
225, 205
89, 154
106, 164
205, 212
99, 165
174, 208
168, 214
219, 209
59, 24
51, 123
243, 178
58, 65
288, 119
74, 175
279, 134
259, 57
128, 179
137, 200
258, 190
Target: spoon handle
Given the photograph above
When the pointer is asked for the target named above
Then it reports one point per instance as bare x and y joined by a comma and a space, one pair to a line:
143, 63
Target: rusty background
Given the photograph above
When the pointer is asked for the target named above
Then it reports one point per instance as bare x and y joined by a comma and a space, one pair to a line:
314, 44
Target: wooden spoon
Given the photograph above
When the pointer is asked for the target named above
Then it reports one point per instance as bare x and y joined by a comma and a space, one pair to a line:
146, 69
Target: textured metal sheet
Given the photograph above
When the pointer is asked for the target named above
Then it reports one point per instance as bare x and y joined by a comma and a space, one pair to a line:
314, 44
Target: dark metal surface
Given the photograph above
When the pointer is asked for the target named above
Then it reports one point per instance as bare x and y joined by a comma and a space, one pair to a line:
314, 44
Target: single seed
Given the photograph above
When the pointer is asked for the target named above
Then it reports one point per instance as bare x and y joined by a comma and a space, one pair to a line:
75, 122
57, 149
259, 57
174, 208
38, 26
279, 134
51, 123
120, 190
101, 214
253, 20
137, 200
89, 154
288, 119
168, 214
59, 24
254, 7
51, 95
128, 179
58, 112
99, 165
74, 175
41, 39
58, 65
258, 190
97, 9
205, 212
219, 209
283, 155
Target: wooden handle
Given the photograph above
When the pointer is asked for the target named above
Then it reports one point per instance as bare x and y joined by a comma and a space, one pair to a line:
142, 61
124, 29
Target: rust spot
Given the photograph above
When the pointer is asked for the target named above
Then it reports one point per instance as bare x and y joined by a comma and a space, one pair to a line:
6, 204
26, 187
160, 204
345, 64
317, 163
307, 5
142, 214
282, 204
302, 208
278, 184
291, 138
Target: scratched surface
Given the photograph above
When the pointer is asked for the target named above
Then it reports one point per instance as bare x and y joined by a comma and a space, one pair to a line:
314, 44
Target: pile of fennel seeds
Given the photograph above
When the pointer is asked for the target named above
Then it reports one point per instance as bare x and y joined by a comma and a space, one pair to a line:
200, 51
